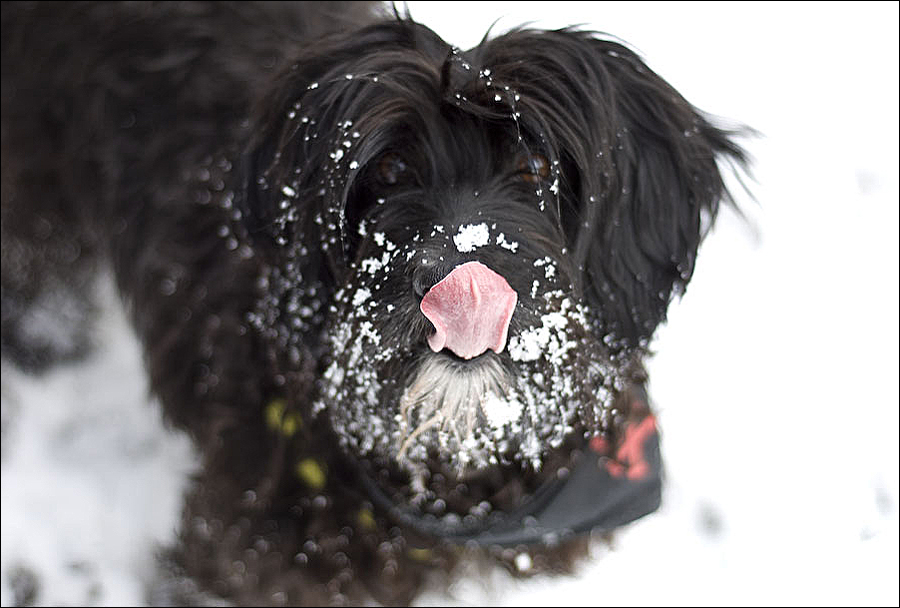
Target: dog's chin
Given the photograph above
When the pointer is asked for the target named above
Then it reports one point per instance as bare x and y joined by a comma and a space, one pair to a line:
468, 410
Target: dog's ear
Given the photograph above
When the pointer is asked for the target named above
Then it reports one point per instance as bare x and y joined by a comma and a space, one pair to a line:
641, 176
667, 161
662, 194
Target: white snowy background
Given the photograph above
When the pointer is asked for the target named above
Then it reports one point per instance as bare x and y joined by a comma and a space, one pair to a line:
776, 377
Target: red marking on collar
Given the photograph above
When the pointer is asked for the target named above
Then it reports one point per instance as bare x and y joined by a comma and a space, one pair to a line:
630, 459
599, 444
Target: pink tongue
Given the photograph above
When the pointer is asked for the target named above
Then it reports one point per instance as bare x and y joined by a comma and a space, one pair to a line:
470, 309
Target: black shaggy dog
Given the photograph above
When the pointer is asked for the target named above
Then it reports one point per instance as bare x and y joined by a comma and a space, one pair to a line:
397, 292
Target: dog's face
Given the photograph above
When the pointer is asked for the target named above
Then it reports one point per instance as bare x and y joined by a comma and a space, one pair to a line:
468, 251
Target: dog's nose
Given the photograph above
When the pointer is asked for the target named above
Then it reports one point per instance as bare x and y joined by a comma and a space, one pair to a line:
470, 309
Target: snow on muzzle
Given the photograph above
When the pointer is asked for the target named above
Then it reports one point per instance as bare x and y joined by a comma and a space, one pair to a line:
470, 309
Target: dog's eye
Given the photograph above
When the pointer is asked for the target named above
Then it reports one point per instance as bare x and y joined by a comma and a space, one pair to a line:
392, 169
533, 168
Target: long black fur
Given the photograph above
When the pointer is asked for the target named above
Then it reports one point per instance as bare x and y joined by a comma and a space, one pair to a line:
226, 159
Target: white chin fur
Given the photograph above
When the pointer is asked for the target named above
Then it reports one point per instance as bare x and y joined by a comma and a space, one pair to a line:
468, 405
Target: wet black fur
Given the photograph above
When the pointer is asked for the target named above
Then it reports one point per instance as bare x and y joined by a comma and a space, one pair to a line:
169, 140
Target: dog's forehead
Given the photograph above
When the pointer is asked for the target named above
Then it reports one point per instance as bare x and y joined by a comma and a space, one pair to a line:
446, 144
433, 91
460, 153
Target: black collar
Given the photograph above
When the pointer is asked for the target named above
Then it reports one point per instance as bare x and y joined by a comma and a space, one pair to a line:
600, 493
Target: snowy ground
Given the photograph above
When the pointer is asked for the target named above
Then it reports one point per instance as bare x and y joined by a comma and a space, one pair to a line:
776, 377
